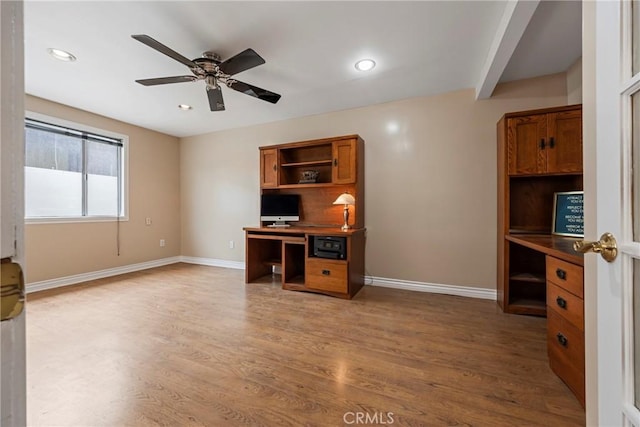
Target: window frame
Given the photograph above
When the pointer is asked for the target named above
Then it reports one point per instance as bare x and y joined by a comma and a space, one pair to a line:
125, 172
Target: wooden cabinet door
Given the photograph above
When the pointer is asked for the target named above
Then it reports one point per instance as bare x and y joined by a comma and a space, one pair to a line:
526, 137
344, 162
564, 153
268, 168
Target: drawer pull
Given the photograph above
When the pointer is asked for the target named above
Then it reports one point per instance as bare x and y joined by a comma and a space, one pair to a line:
326, 272
562, 275
562, 303
562, 339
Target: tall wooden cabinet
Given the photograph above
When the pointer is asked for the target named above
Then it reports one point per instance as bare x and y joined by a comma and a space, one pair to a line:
539, 154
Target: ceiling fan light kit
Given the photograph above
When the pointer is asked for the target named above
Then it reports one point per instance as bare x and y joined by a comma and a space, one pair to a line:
213, 71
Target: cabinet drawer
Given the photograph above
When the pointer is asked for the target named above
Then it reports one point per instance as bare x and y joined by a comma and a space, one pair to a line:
566, 275
566, 358
566, 304
327, 275
565, 341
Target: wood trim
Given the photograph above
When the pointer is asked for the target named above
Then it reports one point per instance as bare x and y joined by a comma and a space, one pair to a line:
311, 142
503, 212
556, 246
317, 231
543, 111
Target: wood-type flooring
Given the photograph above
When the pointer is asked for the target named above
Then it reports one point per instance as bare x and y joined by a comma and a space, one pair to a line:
187, 345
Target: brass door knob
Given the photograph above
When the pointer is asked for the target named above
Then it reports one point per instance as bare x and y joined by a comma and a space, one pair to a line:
606, 247
11, 289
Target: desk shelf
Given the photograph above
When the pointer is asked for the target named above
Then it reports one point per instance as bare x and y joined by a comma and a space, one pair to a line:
529, 306
296, 281
307, 163
273, 262
293, 254
528, 277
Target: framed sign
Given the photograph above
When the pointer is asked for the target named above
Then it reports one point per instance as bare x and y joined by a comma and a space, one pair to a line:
568, 214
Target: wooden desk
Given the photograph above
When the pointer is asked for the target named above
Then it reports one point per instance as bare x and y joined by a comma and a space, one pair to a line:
291, 249
563, 283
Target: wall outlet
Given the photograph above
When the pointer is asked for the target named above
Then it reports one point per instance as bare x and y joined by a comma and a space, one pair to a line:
232, 244
147, 221
162, 243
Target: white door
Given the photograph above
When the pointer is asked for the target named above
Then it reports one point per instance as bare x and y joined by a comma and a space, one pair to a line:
12, 331
611, 99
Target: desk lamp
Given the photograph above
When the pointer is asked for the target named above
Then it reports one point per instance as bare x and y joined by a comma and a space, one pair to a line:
345, 199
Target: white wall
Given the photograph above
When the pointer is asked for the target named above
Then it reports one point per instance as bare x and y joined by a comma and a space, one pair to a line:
574, 82
55, 250
430, 181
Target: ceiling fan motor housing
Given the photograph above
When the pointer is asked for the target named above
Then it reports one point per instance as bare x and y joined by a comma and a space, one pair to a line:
212, 55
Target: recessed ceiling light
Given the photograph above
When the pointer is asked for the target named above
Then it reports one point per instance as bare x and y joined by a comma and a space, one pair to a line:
185, 107
365, 65
61, 55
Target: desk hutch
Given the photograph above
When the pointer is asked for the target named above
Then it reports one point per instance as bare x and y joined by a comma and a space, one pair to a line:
339, 162
540, 153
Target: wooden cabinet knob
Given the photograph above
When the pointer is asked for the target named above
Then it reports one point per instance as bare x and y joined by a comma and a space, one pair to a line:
562, 339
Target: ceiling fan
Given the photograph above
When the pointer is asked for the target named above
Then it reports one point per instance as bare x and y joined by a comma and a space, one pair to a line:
213, 71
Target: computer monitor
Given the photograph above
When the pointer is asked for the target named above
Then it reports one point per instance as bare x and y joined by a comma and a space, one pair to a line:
280, 208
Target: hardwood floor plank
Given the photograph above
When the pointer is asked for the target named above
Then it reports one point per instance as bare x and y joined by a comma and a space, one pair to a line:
193, 345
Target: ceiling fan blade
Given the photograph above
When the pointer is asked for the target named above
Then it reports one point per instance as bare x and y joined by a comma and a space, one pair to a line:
216, 103
166, 80
241, 62
154, 44
255, 91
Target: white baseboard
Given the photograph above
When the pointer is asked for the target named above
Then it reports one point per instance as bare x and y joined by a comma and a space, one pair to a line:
463, 291
84, 277
212, 262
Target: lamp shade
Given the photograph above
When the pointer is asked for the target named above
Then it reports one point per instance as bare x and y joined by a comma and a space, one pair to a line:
345, 199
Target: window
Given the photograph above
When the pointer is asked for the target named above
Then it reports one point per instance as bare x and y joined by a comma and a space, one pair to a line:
72, 173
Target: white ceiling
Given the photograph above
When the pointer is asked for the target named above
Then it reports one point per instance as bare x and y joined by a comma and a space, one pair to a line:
421, 48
